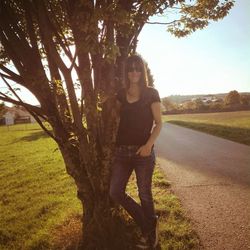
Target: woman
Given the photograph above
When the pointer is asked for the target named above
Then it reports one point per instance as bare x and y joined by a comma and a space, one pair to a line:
139, 111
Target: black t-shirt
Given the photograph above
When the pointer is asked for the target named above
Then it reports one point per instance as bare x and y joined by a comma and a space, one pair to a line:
136, 119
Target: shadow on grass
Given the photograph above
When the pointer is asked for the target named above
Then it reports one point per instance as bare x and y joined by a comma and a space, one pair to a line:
68, 235
32, 137
241, 135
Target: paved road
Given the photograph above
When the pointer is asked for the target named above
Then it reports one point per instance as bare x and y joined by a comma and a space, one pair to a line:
211, 176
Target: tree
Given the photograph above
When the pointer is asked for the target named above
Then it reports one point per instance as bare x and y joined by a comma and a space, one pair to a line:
2, 109
47, 42
216, 106
232, 98
150, 76
189, 105
245, 99
168, 104
199, 105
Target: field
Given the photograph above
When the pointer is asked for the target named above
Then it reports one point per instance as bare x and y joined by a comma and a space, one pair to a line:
38, 204
233, 126
35, 188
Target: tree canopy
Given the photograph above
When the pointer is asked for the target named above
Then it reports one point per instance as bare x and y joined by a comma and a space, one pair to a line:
232, 98
38, 33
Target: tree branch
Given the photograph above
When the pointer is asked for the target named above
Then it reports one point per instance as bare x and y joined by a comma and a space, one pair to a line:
44, 128
47, 35
35, 109
57, 29
15, 35
162, 23
27, 106
12, 75
30, 26
73, 62
12, 54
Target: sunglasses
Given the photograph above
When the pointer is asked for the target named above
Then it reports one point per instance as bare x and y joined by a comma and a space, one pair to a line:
132, 69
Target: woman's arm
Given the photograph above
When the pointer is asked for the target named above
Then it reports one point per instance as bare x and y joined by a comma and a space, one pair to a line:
145, 150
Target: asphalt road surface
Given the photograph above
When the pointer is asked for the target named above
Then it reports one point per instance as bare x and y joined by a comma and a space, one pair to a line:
211, 176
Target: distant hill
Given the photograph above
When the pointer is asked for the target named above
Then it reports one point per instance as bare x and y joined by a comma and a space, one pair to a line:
182, 98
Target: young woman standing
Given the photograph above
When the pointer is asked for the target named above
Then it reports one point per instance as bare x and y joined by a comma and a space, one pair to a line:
140, 125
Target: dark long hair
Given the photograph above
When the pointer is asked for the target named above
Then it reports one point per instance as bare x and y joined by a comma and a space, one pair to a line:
138, 62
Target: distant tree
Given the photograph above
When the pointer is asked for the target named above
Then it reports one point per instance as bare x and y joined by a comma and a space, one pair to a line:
216, 106
232, 98
245, 100
2, 109
189, 105
150, 76
168, 104
199, 105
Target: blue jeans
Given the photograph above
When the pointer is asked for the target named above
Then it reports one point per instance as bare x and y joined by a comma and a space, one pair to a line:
125, 161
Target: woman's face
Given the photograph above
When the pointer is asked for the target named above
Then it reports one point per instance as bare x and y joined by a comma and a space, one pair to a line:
134, 73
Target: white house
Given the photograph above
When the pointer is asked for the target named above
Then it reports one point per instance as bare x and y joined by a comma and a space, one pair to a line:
9, 118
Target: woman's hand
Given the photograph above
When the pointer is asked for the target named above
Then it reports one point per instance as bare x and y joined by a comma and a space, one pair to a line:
144, 150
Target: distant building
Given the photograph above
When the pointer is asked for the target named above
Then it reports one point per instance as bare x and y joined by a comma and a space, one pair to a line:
208, 99
16, 115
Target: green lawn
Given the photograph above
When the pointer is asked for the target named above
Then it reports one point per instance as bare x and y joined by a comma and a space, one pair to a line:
234, 126
35, 188
38, 204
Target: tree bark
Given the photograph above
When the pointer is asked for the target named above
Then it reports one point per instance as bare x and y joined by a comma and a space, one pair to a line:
103, 224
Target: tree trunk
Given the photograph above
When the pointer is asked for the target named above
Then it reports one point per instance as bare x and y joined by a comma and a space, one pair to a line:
103, 223
105, 228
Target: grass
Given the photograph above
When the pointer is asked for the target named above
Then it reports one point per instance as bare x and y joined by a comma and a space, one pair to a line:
35, 189
233, 126
38, 204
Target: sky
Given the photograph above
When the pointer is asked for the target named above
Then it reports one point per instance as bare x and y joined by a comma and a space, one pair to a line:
213, 60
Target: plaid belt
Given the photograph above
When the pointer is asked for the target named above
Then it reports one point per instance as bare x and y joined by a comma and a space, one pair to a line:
126, 150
